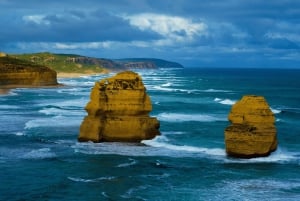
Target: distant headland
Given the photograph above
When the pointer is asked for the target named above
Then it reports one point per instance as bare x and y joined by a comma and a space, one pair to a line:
72, 64
42, 69
21, 73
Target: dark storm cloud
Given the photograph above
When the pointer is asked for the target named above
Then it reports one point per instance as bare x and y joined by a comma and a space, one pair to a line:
72, 26
205, 32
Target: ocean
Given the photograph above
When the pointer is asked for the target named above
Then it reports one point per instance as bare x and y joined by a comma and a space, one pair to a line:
40, 158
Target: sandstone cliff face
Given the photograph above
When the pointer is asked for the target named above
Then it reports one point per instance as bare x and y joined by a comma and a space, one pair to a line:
252, 132
17, 73
119, 111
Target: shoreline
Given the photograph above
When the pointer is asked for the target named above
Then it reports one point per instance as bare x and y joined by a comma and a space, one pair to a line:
5, 89
76, 75
73, 75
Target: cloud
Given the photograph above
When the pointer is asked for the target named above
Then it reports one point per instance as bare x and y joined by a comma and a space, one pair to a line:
193, 32
37, 19
172, 28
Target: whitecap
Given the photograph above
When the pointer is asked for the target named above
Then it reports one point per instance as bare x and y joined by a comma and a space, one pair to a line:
19, 133
275, 111
78, 179
173, 132
225, 101
132, 162
155, 147
179, 117
56, 121
57, 111
279, 156
216, 90
168, 84
42, 153
161, 143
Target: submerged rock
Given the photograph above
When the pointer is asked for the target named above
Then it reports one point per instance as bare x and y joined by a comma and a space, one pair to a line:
252, 132
118, 110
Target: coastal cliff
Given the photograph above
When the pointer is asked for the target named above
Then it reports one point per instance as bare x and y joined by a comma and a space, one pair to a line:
72, 63
20, 73
148, 63
252, 132
118, 110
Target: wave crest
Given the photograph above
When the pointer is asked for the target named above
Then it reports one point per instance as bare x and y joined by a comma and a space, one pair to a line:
179, 117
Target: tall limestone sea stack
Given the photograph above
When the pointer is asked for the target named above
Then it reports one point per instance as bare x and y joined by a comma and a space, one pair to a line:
252, 132
118, 111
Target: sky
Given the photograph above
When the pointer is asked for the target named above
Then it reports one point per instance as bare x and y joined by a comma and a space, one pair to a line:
195, 33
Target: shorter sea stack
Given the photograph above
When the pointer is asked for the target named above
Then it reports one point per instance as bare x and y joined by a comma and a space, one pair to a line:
118, 111
252, 132
19, 73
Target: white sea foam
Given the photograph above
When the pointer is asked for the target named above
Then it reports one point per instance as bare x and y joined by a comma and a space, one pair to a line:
78, 179
279, 156
225, 101
216, 90
276, 111
56, 121
160, 142
155, 147
39, 154
179, 117
79, 91
57, 112
132, 162
168, 84
174, 133
78, 102
19, 133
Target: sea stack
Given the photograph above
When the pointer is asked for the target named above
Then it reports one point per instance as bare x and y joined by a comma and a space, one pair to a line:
252, 132
118, 111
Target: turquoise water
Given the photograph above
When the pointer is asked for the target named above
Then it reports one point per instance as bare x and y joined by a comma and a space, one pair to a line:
40, 158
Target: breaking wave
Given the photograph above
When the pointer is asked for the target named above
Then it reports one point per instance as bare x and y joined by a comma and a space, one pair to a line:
225, 101
78, 179
179, 117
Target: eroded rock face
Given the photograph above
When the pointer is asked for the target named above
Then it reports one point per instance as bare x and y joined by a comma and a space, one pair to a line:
252, 132
119, 111
18, 73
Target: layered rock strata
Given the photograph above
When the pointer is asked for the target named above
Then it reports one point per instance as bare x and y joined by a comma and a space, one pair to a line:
18, 73
118, 110
252, 132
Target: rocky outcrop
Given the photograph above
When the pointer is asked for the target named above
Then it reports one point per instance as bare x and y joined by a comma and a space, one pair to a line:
118, 110
19, 73
252, 132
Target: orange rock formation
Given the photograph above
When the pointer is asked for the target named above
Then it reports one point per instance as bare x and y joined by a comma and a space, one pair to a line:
252, 132
19, 73
119, 111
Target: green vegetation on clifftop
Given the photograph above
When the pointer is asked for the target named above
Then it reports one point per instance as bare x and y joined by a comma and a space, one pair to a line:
68, 63
72, 63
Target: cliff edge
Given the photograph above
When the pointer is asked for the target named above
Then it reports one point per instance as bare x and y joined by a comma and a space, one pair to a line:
19, 73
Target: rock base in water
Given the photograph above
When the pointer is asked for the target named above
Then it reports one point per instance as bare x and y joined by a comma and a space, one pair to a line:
252, 132
118, 111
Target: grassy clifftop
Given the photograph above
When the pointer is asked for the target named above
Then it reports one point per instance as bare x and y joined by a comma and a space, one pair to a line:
72, 63
69, 63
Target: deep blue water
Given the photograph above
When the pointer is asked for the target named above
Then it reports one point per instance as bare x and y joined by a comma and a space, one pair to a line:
40, 158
